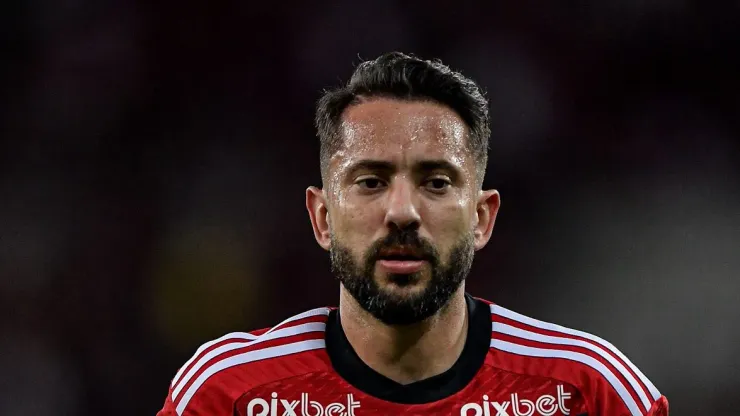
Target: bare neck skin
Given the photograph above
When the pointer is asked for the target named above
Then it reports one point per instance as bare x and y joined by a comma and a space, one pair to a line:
406, 354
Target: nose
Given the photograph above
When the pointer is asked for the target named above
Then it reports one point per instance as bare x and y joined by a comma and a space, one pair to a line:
402, 211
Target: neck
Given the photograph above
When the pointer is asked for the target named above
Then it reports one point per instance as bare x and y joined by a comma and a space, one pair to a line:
407, 353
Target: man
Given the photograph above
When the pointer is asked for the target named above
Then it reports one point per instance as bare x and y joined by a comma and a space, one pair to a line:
401, 213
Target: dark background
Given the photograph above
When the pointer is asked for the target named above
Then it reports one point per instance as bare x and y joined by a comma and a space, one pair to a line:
154, 158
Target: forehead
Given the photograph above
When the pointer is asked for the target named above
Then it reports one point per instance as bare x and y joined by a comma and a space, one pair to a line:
391, 129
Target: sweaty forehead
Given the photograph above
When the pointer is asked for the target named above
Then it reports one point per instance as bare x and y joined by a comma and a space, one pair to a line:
390, 129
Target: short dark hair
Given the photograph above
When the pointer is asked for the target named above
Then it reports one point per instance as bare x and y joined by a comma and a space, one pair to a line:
406, 77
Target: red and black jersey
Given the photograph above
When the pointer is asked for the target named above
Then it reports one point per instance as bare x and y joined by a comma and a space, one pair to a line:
511, 365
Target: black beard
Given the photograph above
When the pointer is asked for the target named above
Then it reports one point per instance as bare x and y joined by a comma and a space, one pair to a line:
391, 309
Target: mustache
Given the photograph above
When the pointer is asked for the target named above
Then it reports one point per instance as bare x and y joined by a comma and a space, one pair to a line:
407, 238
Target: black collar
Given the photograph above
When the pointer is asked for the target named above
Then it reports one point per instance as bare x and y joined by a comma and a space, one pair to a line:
350, 367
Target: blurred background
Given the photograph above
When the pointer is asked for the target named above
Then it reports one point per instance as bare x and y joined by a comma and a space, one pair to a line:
154, 158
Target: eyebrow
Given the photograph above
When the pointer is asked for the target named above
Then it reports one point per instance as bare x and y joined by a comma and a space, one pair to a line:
430, 165
372, 165
389, 167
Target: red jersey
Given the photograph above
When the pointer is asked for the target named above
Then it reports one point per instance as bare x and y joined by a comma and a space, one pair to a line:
511, 365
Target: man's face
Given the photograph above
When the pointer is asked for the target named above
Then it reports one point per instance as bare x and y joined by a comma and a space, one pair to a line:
401, 203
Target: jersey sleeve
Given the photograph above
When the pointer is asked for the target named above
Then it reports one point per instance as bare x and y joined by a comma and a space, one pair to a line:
200, 387
607, 382
221, 370
660, 407
168, 409
209, 400
607, 397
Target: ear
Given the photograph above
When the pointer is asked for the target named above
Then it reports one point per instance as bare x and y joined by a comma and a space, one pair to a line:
486, 210
319, 214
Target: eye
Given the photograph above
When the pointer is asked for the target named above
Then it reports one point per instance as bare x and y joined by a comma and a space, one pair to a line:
370, 184
437, 184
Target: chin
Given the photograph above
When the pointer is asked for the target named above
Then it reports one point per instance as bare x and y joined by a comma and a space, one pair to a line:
403, 285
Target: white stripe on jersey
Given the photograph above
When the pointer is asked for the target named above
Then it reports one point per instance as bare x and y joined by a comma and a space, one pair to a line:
246, 357
498, 310
307, 314
233, 335
280, 333
522, 333
244, 336
574, 356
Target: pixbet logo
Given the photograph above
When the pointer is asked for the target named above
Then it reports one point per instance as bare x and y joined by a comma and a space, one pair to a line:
545, 405
303, 407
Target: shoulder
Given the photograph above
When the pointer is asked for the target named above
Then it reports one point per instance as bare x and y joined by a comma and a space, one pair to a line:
608, 381
225, 367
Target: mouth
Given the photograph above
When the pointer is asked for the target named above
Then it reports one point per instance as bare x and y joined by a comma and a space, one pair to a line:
401, 260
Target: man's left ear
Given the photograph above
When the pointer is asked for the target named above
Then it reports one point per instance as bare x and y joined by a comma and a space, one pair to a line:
485, 216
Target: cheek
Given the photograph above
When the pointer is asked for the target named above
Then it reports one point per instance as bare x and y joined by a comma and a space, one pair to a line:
448, 222
354, 224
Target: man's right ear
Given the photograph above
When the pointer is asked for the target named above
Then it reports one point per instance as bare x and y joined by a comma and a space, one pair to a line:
319, 214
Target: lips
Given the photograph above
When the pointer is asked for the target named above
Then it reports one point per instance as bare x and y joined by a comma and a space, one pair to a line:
401, 254
401, 260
